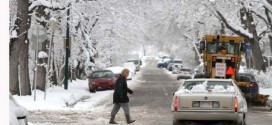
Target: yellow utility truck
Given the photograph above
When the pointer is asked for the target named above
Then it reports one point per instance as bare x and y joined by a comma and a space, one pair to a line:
221, 56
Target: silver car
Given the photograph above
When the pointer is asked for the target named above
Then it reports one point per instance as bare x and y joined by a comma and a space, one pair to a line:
209, 100
184, 73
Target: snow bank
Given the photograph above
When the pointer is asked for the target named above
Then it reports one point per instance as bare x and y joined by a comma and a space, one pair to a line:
116, 69
42, 54
264, 79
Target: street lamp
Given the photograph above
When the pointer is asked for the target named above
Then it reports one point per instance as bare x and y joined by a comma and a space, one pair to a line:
53, 25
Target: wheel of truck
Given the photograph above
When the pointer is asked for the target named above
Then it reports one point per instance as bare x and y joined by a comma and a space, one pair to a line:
199, 76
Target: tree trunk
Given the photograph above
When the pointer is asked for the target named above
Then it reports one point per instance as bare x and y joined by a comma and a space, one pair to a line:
13, 67
15, 45
24, 71
246, 39
258, 61
61, 75
267, 13
55, 82
77, 70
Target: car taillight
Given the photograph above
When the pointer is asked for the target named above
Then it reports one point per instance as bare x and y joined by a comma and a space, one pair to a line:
232, 59
235, 104
176, 103
253, 85
214, 58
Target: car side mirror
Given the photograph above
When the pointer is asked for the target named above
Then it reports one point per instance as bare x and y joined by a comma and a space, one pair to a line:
243, 47
202, 46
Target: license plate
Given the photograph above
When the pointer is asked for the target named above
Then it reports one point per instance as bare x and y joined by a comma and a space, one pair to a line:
206, 104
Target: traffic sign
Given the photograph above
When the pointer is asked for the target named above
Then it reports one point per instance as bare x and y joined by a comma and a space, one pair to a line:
37, 34
230, 71
220, 69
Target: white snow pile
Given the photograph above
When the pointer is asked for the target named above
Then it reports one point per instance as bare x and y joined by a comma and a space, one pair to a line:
42, 54
202, 88
16, 110
220, 88
77, 97
264, 79
116, 69
199, 88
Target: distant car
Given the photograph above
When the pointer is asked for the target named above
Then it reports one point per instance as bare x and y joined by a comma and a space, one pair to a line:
176, 68
248, 85
101, 79
131, 67
179, 61
209, 100
137, 63
184, 73
170, 66
164, 63
18, 115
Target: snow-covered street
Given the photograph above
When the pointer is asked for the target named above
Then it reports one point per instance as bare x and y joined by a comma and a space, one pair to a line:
150, 104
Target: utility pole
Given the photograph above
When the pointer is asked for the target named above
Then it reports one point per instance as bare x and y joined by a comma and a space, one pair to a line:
67, 51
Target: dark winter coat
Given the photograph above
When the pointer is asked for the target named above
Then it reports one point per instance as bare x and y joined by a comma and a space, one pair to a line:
121, 90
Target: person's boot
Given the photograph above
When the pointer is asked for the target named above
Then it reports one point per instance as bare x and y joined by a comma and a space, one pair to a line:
112, 120
129, 120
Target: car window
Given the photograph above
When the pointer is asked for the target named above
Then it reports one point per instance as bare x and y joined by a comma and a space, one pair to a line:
102, 74
134, 61
246, 78
205, 86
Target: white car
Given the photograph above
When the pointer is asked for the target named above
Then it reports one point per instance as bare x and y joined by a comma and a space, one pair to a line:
137, 63
131, 67
176, 68
184, 73
209, 100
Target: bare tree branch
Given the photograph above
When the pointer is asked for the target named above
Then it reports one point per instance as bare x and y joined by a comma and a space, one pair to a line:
238, 31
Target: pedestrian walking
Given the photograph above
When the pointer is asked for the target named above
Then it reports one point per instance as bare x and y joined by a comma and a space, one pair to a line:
120, 98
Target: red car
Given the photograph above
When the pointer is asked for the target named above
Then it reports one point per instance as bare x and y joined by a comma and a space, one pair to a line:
101, 79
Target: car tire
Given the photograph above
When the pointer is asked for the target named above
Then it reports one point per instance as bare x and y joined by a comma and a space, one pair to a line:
91, 90
243, 122
177, 122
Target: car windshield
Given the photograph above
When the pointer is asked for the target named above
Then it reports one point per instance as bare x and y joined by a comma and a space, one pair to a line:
178, 66
208, 86
186, 70
177, 61
102, 74
134, 61
214, 47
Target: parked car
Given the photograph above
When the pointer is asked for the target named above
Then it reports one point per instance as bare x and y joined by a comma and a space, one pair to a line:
209, 100
184, 73
176, 68
137, 63
163, 63
170, 66
248, 85
18, 115
179, 61
132, 69
101, 79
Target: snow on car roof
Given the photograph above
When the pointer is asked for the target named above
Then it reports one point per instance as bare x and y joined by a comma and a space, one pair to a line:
116, 69
204, 86
209, 79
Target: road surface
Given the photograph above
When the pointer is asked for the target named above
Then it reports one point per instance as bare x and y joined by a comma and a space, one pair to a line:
149, 105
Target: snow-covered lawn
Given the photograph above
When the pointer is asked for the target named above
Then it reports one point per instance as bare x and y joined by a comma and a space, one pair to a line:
57, 98
266, 91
